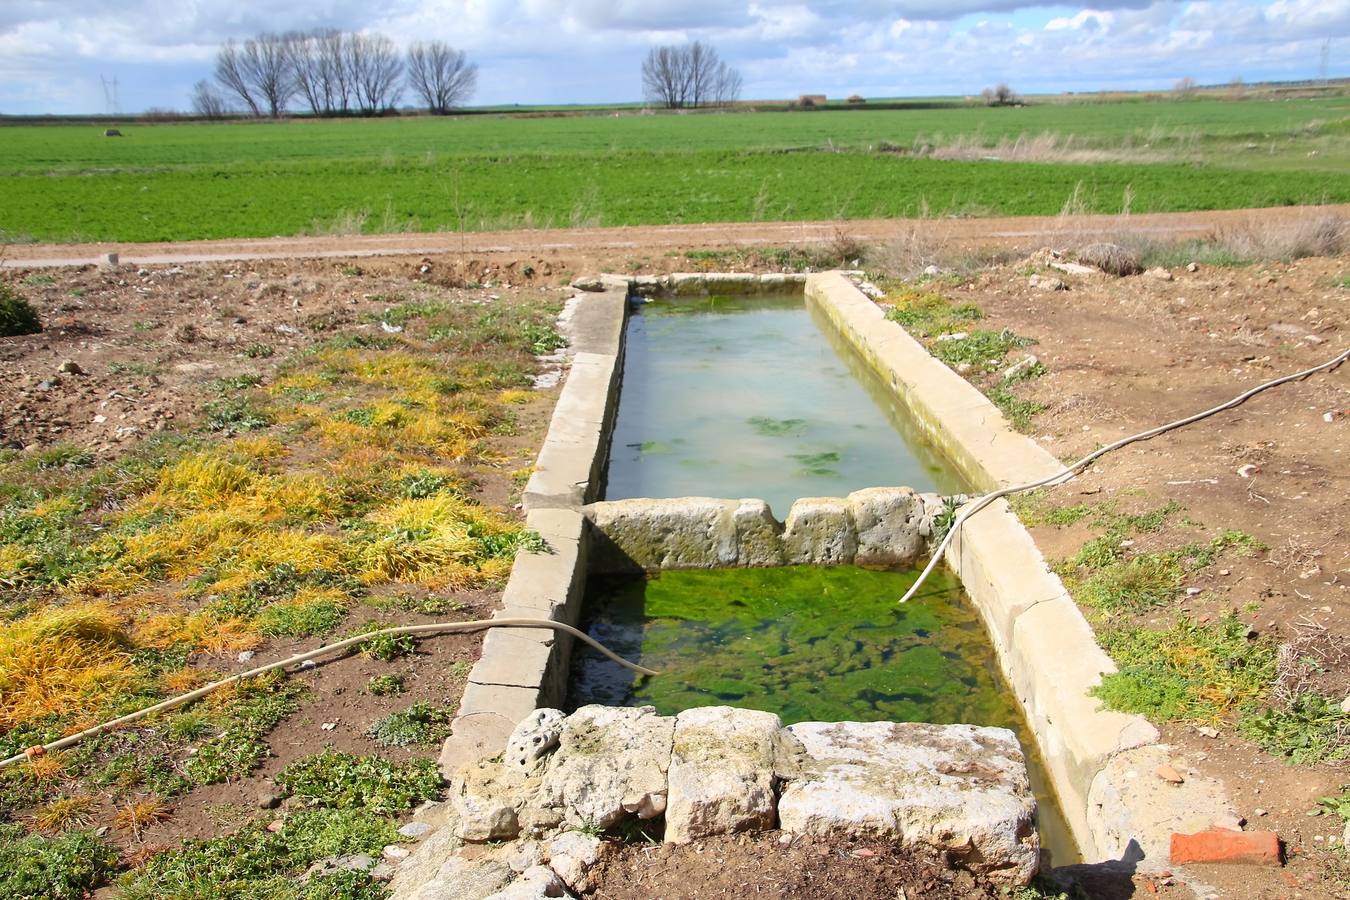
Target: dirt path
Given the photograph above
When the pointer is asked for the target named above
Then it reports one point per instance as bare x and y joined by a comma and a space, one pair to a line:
955, 233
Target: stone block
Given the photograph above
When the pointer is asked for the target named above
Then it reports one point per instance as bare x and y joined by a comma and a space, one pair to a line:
721, 777
888, 524
960, 789
819, 531
610, 764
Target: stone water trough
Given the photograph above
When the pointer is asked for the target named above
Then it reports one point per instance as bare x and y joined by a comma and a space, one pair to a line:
530, 818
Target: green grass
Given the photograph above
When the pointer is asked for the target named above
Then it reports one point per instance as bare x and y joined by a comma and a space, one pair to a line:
419, 724
1189, 672
66, 182
66, 867
343, 781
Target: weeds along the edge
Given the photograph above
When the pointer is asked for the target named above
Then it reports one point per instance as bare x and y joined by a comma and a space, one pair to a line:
332, 493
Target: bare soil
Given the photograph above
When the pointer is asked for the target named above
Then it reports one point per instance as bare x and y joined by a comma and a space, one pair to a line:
1125, 354
1122, 355
619, 248
146, 346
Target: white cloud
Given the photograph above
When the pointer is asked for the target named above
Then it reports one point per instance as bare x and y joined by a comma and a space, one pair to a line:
53, 53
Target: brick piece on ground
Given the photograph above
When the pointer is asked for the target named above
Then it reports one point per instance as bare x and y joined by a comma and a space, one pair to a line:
1252, 848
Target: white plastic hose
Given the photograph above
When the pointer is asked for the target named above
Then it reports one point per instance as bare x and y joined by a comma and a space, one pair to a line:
980, 503
433, 628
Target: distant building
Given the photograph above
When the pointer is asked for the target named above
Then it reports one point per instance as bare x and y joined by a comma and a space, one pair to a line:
856, 98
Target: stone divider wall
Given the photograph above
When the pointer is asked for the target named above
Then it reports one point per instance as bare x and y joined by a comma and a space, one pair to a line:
1044, 645
872, 527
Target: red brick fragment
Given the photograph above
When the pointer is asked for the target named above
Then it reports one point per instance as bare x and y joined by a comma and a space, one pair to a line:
1253, 848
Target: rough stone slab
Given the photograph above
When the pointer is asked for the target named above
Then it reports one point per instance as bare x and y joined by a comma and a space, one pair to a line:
687, 532
759, 536
534, 738
482, 797
597, 321
459, 879
961, 789
572, 855
721, 776
611, 763
536, 883
1135, 812
888, 525
425, 862
819, 531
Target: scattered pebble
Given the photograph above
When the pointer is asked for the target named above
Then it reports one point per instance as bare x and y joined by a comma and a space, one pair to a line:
1169, 774
245, 655
1208, 732
414, 829
328, 726
70, 367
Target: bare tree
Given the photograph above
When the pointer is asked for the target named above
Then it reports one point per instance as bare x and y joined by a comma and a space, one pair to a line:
726, 85
230, 75
1184, 86
441, 75
375, 70
305, 51
207, 102
267, 66
333, 72
665, 77
692, 75
999, 95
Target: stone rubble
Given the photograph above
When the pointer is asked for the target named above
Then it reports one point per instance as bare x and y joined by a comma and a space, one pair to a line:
534, 816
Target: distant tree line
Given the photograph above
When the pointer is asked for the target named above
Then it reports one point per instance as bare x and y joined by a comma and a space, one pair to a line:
333, 73
689, 76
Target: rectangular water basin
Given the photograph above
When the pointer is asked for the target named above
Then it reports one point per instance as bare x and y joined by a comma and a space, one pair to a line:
756, 397
809, 644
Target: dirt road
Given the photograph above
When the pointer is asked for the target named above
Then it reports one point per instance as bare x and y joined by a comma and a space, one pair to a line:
954, 233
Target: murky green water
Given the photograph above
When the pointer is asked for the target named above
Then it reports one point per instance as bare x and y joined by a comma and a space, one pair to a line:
751, 397
808, 643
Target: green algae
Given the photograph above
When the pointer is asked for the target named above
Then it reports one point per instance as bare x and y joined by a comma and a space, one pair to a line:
808, 643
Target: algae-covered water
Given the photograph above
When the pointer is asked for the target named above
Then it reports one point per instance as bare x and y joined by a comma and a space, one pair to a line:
756, 397
808, 643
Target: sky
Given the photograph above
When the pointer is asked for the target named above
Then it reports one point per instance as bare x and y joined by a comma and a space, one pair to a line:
56, 56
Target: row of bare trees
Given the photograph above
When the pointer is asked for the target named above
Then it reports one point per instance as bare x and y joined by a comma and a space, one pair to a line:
333, 73
693, 75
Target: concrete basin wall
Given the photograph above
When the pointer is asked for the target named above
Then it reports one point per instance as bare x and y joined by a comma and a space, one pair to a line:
1046, 647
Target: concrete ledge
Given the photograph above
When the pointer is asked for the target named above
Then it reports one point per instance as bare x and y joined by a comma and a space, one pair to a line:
951, 412
1045, 646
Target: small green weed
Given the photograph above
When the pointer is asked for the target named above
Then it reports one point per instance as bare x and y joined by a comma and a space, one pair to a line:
62, 456
384, 685
929, 314
144, 369
982, 350
1310, 730
1018, 410
67, 867
235, 414
17, 315
257, 350
420, 723
342, 781
403, 313
387, 647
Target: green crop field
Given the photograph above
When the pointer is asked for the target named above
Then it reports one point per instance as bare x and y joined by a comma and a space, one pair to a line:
184, 181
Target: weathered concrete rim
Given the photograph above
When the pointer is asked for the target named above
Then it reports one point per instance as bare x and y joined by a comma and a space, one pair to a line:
1046, 648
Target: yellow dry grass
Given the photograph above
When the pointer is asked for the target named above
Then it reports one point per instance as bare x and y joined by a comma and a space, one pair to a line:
201, 631
62, 660
65, 812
